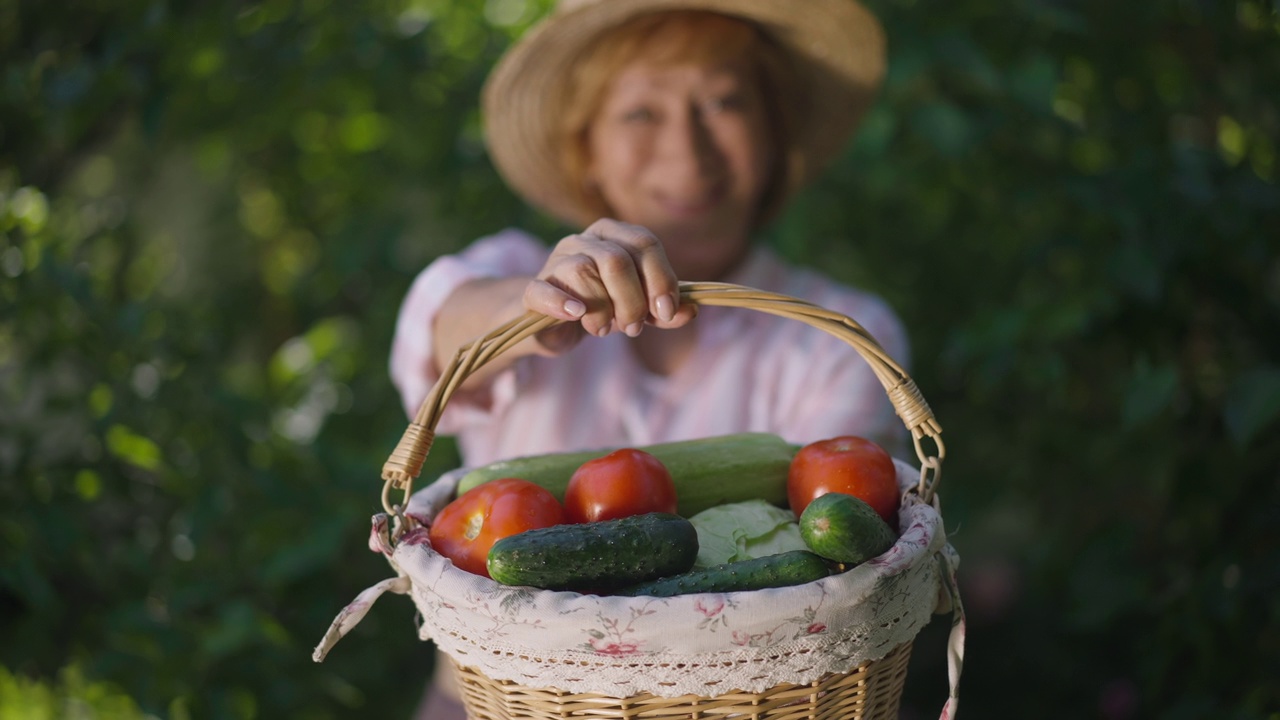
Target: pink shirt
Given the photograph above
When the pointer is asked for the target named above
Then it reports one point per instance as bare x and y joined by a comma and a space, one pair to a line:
750, 371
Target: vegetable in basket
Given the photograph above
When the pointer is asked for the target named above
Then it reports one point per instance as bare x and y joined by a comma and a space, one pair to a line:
707, 471
467, 527
846, 464
793, 567
625, 482
744, 530
596, 556
844, 529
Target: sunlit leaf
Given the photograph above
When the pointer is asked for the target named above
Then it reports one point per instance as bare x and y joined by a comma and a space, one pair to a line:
29, 207
133, 448
88, 484
100, 399
363, 132
42, 699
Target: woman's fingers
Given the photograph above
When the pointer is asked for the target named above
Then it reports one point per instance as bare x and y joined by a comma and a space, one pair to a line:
658, 285
611, 277
662, 289
578, 274
541, 296
615, 268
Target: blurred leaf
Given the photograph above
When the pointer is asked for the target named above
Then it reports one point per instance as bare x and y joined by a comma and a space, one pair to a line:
1150, 391
1252, 404
70, 696
133, 448
1057, 17
1033, 81
1134, 269
236, 628
303, 554
945, 126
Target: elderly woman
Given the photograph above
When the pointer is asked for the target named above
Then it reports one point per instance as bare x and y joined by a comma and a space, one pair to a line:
669, 133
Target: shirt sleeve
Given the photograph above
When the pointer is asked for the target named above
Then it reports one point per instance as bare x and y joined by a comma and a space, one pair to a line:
507, 254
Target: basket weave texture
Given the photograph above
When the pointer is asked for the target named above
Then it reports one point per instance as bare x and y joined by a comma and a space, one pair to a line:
872, 690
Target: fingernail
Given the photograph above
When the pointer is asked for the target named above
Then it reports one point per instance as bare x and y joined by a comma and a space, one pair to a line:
634, 329
604, 330
575, 308
666, 307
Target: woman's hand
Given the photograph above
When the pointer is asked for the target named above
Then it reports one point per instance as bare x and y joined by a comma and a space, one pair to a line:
612, 277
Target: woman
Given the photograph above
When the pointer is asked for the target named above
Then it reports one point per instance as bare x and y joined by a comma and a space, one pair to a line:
670, 137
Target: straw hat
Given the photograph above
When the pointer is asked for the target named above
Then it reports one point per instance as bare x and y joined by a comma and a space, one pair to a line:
837, 47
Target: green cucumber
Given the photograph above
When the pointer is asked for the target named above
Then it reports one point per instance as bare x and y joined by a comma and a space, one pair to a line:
596, 556
845, 529
794, 567
707, 471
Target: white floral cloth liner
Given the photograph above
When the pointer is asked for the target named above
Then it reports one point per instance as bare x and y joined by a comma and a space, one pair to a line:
702, 644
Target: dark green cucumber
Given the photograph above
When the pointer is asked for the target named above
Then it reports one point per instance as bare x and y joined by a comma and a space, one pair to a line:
706, 472
845, 529
596, 556
793, 567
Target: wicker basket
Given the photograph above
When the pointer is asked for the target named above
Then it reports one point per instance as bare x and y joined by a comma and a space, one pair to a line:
872, 690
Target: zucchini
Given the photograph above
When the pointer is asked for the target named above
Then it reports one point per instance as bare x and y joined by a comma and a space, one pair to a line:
596, 556
845, 529
707, 471
794, 567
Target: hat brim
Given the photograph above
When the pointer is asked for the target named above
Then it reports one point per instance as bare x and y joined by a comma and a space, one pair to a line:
837, 46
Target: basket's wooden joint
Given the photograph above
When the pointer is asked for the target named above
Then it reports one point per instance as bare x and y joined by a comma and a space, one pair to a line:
910, 405
407, 459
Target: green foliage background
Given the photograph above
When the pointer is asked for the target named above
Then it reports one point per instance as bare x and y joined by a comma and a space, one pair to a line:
210, 213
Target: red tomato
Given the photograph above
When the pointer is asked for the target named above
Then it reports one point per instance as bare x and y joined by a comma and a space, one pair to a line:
467, 527
846, 464
624, 482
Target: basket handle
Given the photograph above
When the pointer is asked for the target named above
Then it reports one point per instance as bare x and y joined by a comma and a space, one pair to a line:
407, 459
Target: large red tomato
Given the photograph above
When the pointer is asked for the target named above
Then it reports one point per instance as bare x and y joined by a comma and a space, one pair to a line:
852, 465
624, 482
467, 527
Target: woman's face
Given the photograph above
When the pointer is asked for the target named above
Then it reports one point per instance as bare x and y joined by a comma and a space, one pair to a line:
683, 150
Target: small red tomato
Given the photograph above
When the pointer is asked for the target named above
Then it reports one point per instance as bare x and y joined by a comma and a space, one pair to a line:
467, 527
847, 464
624, 482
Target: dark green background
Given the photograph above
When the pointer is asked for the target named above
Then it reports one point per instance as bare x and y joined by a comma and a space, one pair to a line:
211, 212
